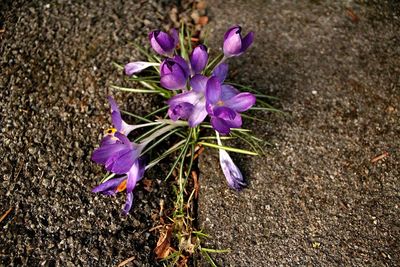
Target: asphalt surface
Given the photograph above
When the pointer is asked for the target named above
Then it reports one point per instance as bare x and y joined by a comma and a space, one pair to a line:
315, 199
56, 68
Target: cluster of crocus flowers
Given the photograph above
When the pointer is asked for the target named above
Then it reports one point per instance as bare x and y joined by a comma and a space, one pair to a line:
199, 92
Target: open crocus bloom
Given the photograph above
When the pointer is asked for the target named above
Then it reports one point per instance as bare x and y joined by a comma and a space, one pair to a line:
164, 43
224, 102
127, 182
190, 105
174, 73
120, 157
234, 44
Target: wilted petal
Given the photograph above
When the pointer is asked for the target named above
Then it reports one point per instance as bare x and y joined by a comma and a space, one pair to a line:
199, 113
241, 102
213, 91
199, 83
221, 71
136, 67
108, 186
128, 203
232, 173
199, 58
220, 125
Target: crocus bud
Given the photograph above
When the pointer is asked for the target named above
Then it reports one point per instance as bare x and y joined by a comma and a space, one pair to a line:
136, 67
164, 43
232, 173
174, 73
198, 59
234, 44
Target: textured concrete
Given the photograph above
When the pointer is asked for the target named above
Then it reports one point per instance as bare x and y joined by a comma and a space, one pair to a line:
315, 199
55, 73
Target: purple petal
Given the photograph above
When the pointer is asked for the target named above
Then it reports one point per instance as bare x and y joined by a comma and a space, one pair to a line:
228, 91
235, 122
128, 204
123, 139
199, 58
116, 120
133, 176
122, 161
233, 44
156, 46
199, 83
221, 71
164, 40
113, 104
220, 125
213, 91
173, 81
103, 153
189, 97
232, 173
181, 110
247, 41
182, 64
231, 31
241, 102
108, 140
108, 186
136, 67
175, 36
199, 114
224, 113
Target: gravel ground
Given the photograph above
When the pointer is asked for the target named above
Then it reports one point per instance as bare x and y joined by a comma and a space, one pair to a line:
315, 199
55, 74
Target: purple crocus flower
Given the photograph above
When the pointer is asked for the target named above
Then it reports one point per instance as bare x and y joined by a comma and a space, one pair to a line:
127, 182
198, 59
190, 105
164, 43
137, 66
224, 102
234, 44
174, 73
232, 173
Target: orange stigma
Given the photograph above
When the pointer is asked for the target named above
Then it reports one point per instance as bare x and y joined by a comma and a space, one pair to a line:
122, 186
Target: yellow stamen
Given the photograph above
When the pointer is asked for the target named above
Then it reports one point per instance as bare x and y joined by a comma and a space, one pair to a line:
220, 103
110, 131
